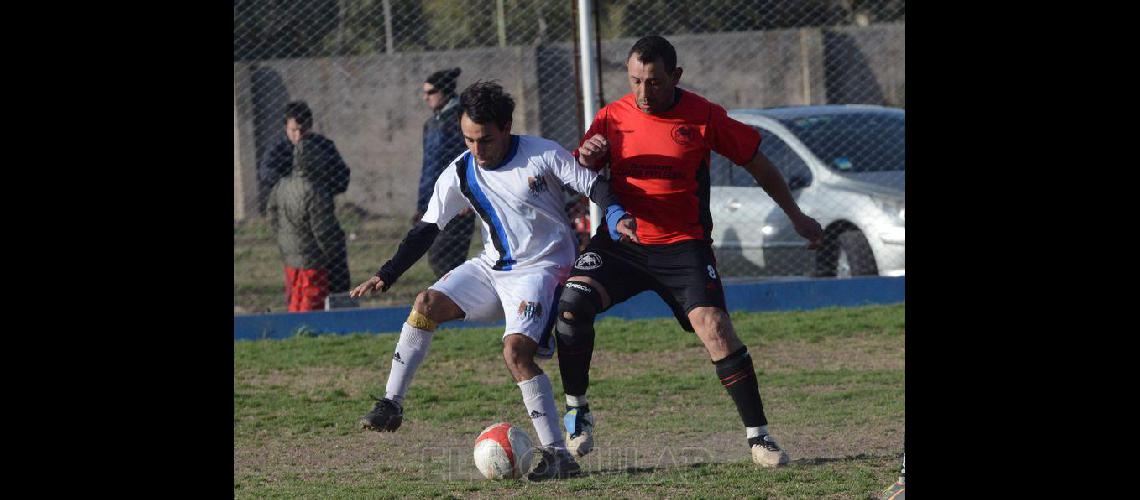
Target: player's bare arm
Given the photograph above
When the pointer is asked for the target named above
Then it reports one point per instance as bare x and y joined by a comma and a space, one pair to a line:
593, 152
769, 178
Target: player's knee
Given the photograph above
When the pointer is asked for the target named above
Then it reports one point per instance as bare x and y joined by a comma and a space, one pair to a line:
518, 352
513, 356
422, 304
712, 320
577, 307
429, 304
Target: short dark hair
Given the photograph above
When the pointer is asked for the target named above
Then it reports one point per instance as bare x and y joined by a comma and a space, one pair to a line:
486, 102
445, 80
299, 111
652, 48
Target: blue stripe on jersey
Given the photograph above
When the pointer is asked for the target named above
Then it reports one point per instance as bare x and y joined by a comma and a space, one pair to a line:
507, 260
511, 152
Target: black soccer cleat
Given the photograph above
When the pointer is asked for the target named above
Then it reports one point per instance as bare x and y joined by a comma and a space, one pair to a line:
386, 416
554, 465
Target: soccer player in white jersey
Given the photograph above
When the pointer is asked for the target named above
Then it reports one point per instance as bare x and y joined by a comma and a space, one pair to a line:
514, 183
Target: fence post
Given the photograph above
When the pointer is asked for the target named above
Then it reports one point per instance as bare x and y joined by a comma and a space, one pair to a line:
245, 157
589, 65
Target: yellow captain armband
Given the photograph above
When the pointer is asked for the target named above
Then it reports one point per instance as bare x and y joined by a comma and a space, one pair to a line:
420, 321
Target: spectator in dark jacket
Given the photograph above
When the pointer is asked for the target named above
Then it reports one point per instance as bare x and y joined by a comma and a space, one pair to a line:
303, 219
331, 172
328, 172
443, 141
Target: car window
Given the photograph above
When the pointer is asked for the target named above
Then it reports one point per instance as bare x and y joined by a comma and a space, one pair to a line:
784, 158
723, 172
854, 142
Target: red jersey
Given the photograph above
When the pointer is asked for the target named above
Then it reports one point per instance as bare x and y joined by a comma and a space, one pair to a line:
659, 164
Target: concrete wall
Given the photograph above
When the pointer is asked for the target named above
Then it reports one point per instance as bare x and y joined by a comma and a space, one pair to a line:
371, 107
866, 65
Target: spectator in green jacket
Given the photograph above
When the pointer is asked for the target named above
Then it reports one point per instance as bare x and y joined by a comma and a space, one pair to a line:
303, 219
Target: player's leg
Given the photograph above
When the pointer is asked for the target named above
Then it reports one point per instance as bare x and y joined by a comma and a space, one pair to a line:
464, 293
688, 270
527, 300
602, 276
738, 376
430, 309
582, 298
538, 398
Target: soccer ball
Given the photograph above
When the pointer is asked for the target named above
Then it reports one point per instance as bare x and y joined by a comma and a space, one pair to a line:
503, 451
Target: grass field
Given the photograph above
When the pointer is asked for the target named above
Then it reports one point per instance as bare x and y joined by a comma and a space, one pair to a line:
832, 382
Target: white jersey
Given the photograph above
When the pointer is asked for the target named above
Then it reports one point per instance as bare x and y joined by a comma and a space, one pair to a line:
519, 202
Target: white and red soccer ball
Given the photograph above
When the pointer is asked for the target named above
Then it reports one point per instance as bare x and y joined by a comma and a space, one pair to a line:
503, 451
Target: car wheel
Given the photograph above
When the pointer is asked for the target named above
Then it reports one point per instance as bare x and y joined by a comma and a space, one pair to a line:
844, 255
855, 255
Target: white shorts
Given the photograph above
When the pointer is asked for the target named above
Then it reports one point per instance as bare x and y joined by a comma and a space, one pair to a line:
526, 298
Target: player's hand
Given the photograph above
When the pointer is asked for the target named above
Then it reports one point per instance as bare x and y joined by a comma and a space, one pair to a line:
464, 212
809, 228
370, 287
593, 151
627, 228
416, 218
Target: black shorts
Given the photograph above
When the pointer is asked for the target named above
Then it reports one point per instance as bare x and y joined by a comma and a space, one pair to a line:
683, 274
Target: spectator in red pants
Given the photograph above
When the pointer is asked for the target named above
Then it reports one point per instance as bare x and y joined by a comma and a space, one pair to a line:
306, 288
303, 219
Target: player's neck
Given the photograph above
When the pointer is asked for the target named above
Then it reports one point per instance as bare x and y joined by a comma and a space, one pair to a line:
677, 93
512, 147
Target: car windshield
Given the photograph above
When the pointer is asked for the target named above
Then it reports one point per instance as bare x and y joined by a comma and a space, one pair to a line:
854, 142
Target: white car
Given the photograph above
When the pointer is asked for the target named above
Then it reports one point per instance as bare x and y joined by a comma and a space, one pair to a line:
845, 165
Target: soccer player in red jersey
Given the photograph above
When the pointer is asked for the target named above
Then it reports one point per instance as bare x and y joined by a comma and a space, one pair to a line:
656, 141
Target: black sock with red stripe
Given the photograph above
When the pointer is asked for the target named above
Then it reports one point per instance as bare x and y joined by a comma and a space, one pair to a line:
738, 377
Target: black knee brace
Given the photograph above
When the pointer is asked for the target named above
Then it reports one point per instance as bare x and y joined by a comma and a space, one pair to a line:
576, 335
581, 302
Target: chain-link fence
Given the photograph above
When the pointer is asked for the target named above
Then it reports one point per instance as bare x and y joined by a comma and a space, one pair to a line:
367, 71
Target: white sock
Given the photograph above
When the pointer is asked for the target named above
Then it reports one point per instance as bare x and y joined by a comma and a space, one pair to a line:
538, 397
410, 351
756, 431
576, 400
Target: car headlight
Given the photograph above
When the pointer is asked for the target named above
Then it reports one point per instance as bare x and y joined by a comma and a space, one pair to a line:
893, 207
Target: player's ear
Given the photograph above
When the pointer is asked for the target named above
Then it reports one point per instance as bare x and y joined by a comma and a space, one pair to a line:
677, 75
507, 128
